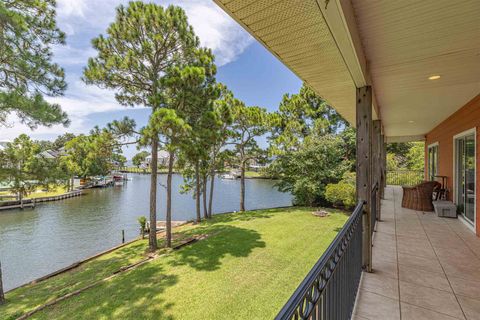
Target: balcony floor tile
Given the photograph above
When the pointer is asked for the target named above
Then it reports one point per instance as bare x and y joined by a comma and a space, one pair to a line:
424, 267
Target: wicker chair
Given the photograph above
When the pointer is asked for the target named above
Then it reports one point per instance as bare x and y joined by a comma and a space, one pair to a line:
419, 197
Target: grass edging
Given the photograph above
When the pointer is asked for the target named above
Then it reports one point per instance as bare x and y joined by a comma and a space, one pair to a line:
121, 270
79, 263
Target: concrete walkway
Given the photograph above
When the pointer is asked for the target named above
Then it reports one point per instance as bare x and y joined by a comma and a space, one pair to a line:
425, 267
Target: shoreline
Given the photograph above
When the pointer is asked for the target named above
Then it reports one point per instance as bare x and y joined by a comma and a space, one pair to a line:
140, 171
104, 252
89, 258
31, 202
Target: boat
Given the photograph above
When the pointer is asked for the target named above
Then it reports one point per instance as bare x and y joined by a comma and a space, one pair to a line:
228, 176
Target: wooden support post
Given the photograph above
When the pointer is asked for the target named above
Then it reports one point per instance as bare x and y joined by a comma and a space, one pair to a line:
2, 294
376, 162
363, 166
383, 163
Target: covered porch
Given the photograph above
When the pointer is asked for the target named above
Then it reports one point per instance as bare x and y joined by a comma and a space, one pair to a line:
397, 71
425, 267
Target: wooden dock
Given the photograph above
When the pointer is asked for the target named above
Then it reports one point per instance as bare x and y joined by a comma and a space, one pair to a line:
30, 203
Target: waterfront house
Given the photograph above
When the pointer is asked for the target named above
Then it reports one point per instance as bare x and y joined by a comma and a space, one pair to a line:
399, 71
163, 157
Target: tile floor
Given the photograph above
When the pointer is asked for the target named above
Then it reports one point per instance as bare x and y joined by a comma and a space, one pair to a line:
425, 267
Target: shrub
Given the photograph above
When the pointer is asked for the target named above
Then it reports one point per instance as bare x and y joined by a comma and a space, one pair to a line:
342, 193
142, 221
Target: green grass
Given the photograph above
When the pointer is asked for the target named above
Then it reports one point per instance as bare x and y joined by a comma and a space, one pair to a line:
56, 191
246, 268
38, 193
253, 174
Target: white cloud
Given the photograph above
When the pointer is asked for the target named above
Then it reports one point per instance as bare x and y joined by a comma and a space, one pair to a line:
79, 104
216, 30
68, 55
84, 19
214, 27
67, 8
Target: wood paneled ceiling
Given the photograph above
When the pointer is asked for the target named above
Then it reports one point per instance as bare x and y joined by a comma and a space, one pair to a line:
295, 31
397, 45
407, 41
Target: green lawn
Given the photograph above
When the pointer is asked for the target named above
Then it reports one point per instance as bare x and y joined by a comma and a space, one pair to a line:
39, 193
56, 191
253, 174
246, 268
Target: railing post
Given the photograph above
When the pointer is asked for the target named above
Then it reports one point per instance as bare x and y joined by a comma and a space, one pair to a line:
363, 167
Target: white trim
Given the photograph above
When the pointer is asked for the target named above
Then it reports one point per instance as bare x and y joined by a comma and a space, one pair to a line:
427, 164
466, 133
340, 18
454, 188
467, 223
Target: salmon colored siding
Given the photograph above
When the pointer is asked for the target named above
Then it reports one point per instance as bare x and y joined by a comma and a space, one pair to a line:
466, 118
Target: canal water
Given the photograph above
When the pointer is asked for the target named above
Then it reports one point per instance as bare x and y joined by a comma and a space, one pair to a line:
35, 242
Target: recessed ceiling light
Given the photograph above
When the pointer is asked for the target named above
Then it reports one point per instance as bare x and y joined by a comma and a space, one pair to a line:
434, 77
411, 121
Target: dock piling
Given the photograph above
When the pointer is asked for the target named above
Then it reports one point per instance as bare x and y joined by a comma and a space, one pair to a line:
2, 294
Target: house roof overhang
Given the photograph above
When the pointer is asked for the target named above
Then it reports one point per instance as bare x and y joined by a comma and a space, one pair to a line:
395, 46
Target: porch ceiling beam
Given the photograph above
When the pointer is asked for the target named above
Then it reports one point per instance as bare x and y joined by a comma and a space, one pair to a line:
340, 18
341, 21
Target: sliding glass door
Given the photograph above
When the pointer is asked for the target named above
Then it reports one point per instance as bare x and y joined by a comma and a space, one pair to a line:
465, 176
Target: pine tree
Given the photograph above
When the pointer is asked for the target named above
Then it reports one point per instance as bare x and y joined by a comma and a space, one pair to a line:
140, 46
27, 31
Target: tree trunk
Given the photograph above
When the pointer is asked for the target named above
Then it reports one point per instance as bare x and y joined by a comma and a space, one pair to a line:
72, 183
204, 195
197, 191
210, 200
242, 187
152, 236
168, 217
212, 182
2, 295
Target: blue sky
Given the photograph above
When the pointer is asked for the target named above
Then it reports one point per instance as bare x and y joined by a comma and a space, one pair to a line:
246, 67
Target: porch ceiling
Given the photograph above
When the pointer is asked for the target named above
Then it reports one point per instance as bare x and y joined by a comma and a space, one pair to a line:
394, 45
406, 42
296, 32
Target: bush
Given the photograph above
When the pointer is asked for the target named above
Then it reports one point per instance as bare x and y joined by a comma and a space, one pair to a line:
306, 172
143, 222
342, 193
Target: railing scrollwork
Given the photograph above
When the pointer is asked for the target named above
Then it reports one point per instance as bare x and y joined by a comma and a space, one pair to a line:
329, 289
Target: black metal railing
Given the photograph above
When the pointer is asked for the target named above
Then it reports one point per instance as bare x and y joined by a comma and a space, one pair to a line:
404, 177
374, 207
329, 290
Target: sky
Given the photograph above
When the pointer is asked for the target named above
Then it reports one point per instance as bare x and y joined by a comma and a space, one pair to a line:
245, 66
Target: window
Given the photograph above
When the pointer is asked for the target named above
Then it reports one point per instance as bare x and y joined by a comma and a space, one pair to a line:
432, 165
